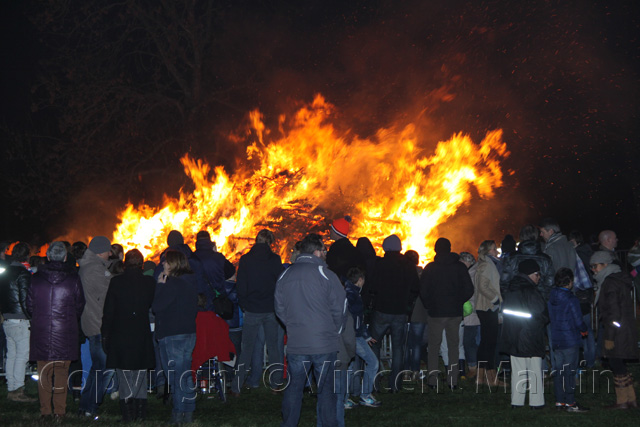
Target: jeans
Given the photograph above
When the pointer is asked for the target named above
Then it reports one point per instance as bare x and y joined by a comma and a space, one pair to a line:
98, 378
257, 360
178, 349
564, 383
17, 332
589, 343
299, 366
364, 352
397, 323
341, 376
414, 344
471, 344
252, 323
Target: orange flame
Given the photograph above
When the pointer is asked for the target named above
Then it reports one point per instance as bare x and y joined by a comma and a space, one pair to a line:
311, 174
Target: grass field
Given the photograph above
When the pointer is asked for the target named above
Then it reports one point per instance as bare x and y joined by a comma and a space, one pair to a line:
413, 406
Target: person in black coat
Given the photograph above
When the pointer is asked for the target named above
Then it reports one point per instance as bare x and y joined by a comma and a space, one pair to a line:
445, 285
127, 336
258, 272
525, 315
395, 284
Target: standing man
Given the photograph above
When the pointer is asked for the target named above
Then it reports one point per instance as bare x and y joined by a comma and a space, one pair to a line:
14, 286
258, 271
55, 302
445, 285
396, 286
95, 277
312, 304
562, 255
557, 246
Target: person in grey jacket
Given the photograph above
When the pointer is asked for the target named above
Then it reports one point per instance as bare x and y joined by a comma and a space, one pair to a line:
95, 278
311, 303
557, 246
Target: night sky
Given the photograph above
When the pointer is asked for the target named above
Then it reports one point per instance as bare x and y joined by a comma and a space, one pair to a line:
560, 78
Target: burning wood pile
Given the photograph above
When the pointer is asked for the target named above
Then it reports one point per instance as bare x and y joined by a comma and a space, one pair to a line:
300, 180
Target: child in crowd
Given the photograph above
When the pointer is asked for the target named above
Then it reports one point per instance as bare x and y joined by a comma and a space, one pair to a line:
353, 287
567, 330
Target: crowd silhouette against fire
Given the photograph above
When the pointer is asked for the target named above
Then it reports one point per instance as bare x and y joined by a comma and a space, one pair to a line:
342, 323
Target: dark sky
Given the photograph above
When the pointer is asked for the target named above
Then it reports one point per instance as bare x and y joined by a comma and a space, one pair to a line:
561, 79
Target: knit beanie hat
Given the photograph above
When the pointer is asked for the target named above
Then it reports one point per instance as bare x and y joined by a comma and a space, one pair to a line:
392, 244
340, 226
528, 266
100, 245
601, 257
174, 239
443, 246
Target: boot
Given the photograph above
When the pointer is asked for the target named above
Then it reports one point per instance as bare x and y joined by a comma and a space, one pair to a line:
481, 376
620, 384
20, 396
461, 364
472, 371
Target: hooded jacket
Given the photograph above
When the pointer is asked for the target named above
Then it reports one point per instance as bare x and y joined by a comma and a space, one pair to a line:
529, 249
521, 336
311, 303
566, 318
445, 285
95, 282
55, 302
258, 271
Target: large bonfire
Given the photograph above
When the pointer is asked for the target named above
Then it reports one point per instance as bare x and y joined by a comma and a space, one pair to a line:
312, 173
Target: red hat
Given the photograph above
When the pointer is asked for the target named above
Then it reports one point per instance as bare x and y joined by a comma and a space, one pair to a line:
340, 226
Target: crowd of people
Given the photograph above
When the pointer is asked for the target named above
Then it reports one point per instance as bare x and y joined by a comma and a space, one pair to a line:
324, 317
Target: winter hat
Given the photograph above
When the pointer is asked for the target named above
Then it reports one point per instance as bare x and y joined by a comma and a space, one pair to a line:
340, 226
508, 244
100, 245
175, 239
443, 246
601, 257
392, 244
203, 235
528, 266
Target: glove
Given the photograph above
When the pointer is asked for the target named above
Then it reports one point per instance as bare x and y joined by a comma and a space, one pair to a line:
584, 334
608, 345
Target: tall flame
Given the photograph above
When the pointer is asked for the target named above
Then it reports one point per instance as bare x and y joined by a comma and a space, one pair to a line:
312, 174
